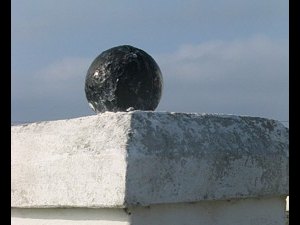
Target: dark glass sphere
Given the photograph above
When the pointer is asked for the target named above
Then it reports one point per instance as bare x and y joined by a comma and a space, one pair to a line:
123, 78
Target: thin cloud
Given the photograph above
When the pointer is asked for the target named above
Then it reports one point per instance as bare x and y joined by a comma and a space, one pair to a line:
246, 76
65, 69
54, 92
216, 59
65, 75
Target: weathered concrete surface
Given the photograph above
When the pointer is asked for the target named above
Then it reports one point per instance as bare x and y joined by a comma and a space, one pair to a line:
268, 211
191, 157
143, 158
79, 162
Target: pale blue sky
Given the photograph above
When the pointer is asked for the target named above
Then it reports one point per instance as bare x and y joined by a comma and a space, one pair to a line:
221, 56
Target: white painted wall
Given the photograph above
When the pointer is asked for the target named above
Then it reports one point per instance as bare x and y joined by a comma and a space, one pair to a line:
145, 168
268, 211
78, 216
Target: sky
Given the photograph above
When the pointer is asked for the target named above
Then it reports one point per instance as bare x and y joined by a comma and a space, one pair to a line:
221, 56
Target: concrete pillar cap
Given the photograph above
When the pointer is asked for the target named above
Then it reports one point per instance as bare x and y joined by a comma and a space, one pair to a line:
116, 160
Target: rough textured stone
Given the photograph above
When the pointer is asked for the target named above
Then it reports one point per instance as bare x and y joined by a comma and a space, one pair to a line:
142, 158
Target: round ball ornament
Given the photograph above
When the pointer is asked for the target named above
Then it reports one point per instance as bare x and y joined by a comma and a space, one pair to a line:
123, 78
